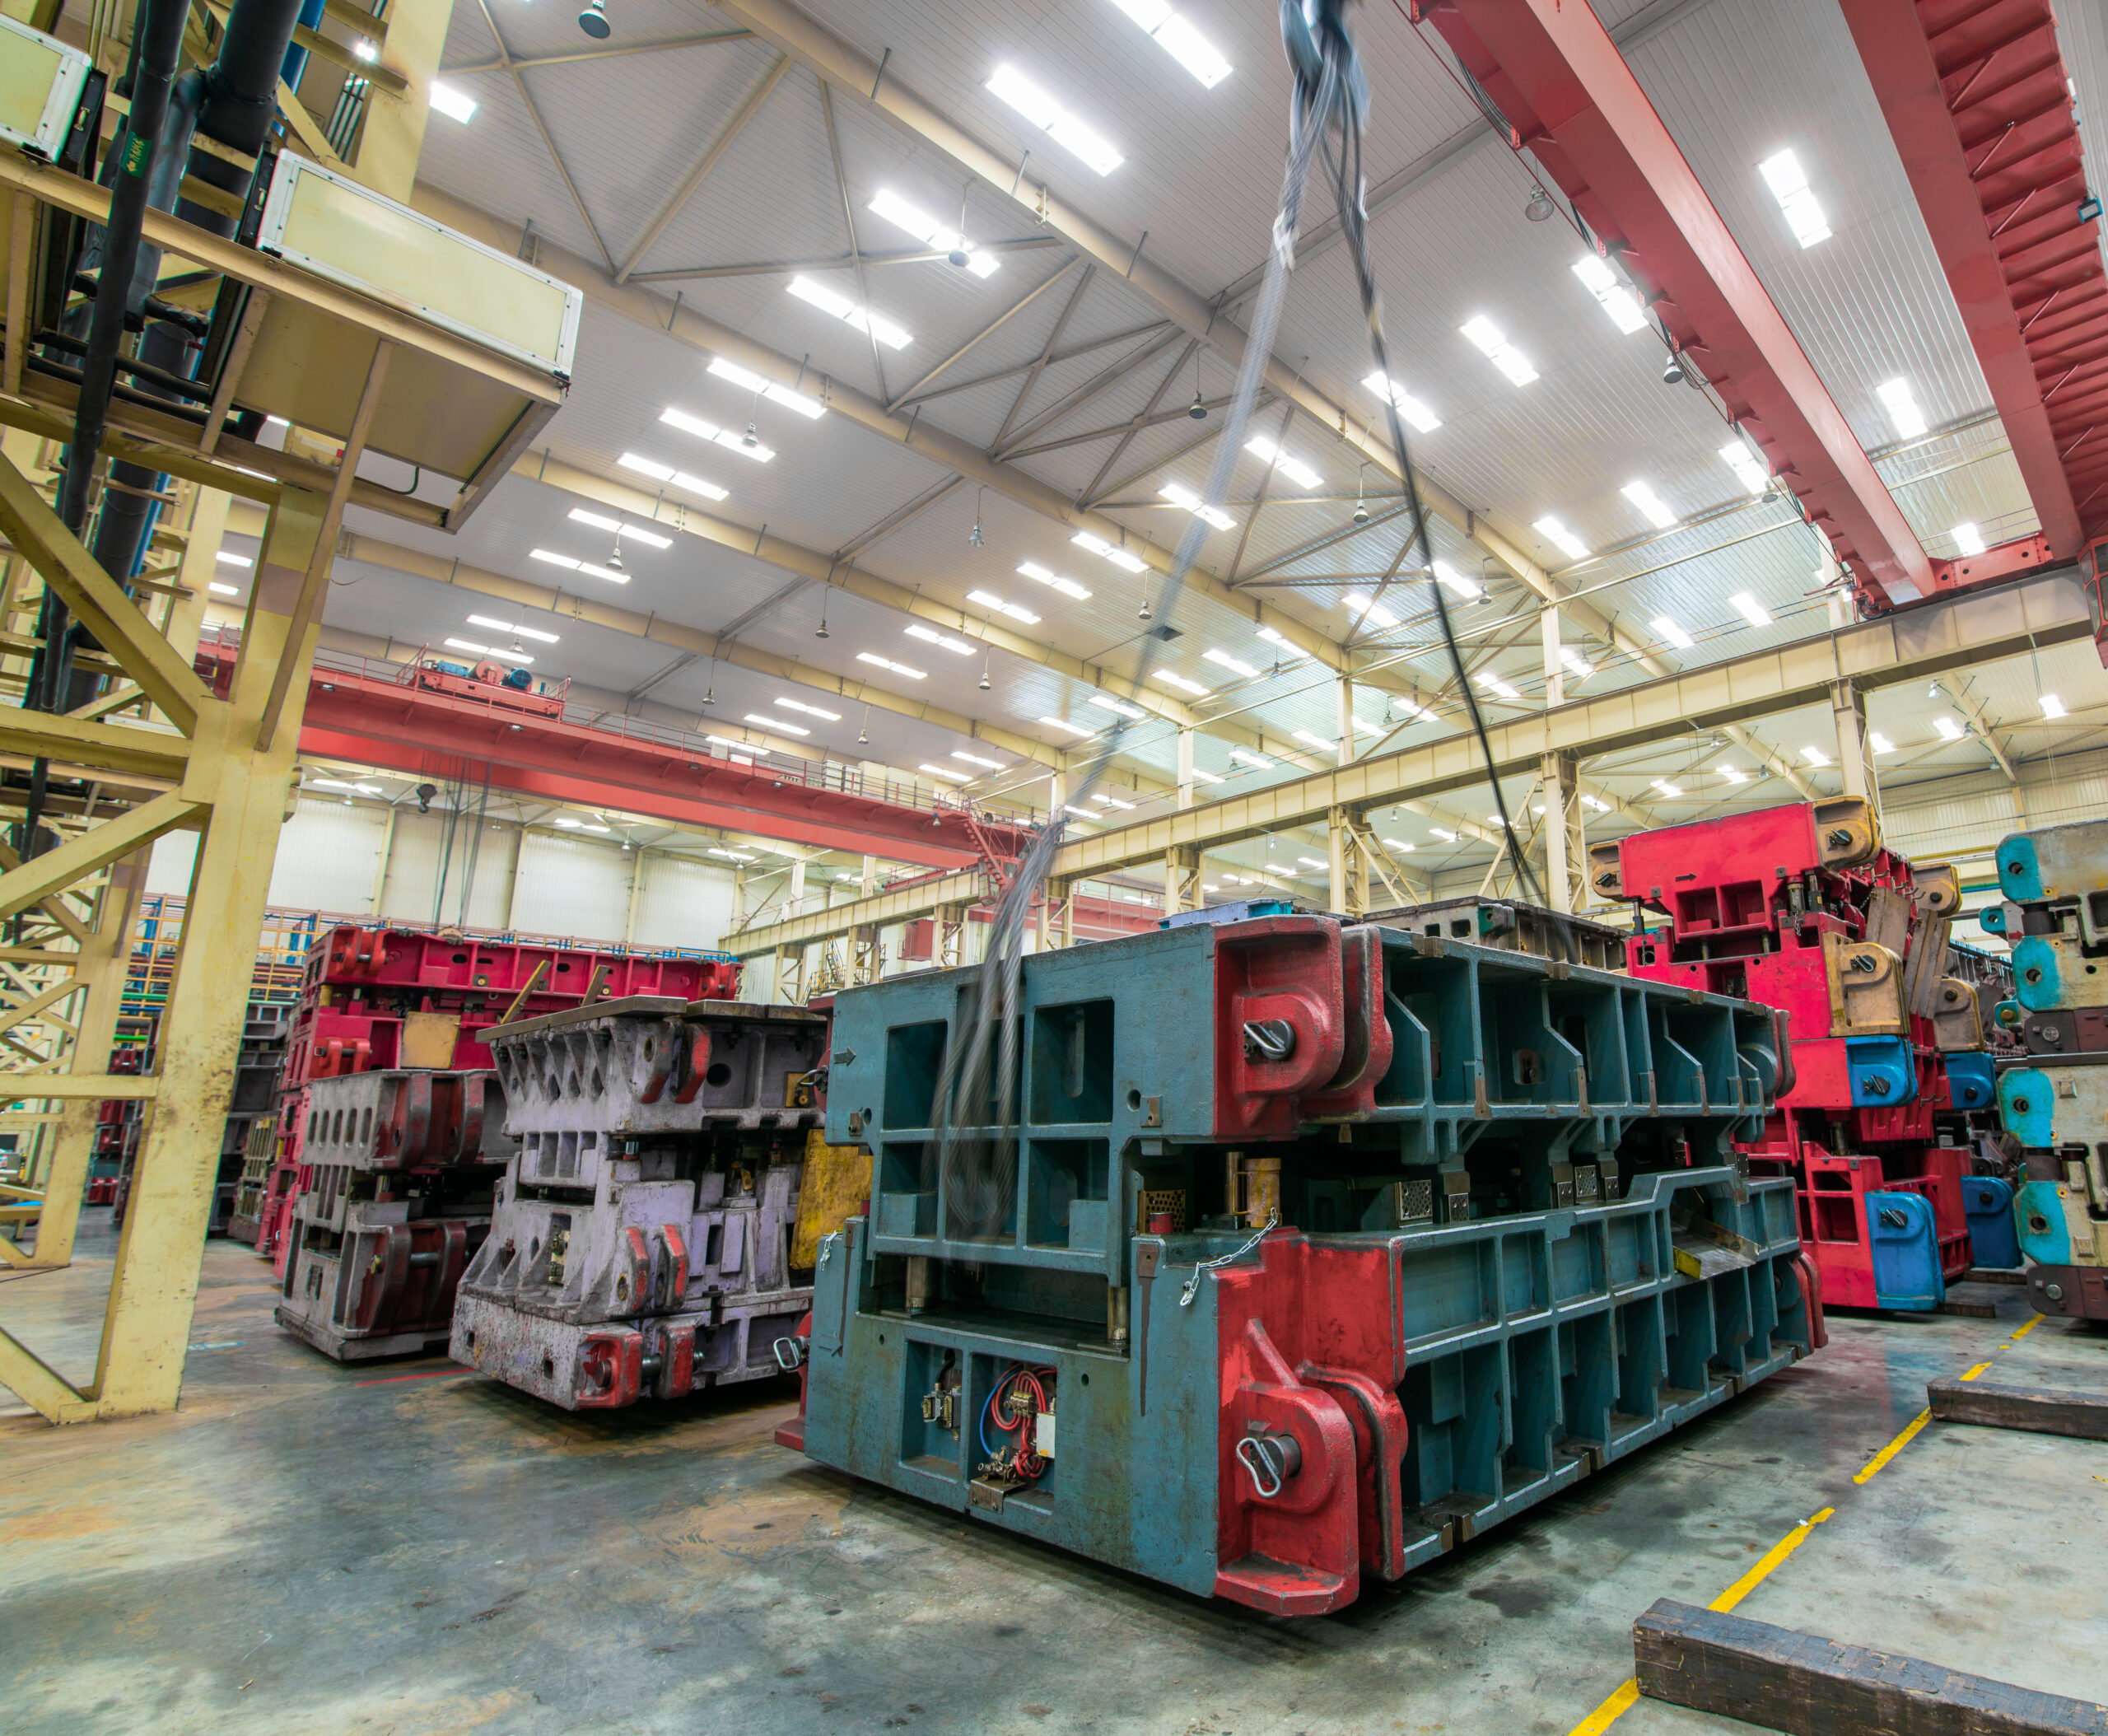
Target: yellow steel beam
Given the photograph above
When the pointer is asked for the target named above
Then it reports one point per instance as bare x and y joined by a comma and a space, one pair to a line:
52, 907
80, 857
37, 1003
77, 741
39, 535
36, 1383
96, 1087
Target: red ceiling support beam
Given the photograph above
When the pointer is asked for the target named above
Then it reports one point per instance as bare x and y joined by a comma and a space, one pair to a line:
407, 729
1569, 97
1976, 96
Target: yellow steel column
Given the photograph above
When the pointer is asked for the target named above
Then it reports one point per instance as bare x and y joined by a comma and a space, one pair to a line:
155, 1287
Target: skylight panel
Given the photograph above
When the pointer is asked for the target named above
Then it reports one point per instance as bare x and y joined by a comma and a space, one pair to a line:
811, 409
1067, 728
1258, 761
2052, 705
898, 668
1177, 36
1750, 610
488, 650
1108, 551
1273, 637
951, 643
809, 711
942, 236
1968, 539
1790, 185
673, 479
1670, 633
745, 445
1235, 665
1106, 702
601, 521
1053, 581
572, 564
497, 626
1067, 129
1468, 589
1554, 532
1608, 288
455, 105
1015, 611
1949, 730
1179, 495
1487, 337
1181, 682
1903, 409
1494, 684
1415, 412
1291, 466
1369, 610
764, 721
1749, 469
975, 759
1642, 495
849, 312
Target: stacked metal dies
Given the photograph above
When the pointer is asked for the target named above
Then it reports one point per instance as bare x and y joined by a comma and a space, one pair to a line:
656, 1230
2053, 1097
401, 1167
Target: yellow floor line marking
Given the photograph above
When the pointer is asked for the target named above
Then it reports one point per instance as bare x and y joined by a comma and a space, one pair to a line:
1771, 1558
1623, 1699
1896, 1446
1621, 1702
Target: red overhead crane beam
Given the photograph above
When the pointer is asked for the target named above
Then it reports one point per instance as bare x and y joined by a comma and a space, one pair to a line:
1975, 96
405, 728
1569, 97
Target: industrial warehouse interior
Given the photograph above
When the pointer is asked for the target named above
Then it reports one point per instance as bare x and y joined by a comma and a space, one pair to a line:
1180, 867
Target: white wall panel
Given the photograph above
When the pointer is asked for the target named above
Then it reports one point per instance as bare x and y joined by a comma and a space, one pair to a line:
414, 863
328, 856
682, 903
567, 886
174, 859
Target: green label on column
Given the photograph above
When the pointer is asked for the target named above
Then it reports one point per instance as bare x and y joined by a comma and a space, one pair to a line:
135, 156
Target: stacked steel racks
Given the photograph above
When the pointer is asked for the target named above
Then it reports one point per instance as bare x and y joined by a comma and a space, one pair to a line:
1522, 1249
1800, 909
400, 1168
657, 1229
385, 996
2053, 1096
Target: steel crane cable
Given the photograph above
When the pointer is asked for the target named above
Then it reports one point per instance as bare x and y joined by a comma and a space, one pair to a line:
976, 1089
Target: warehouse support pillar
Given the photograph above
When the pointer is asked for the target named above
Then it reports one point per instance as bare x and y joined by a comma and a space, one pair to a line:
1855, 762
1185, 768
1566, 856
1181, 880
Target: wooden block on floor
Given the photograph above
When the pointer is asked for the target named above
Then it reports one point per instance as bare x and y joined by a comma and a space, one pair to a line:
1973, 1310
1993, 1275
1812, 1686
2043, 1409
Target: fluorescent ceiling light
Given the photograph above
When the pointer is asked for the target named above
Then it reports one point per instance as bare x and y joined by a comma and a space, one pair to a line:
2052, 705
1396, 843
1447, 837
1790, 185
1949, 730
338, 783
1106, 702
1596, 802
1179, 495
1112, 801
1291, 466
1177, 37
635, 533
1181, 682
1013, 87
1422, 419
1749, 469
1486, 336
809, 711
1312, 861
1273, 637
926, 229
975, 759
363, 48
1235, 665
1468, 589
1205, 778
716, 435
1814, 756
1576, 664
1054, 581
1258, 761
768, 722
1494, 684
573, 565
1968, 539
1081, 812
497, 626
899, 668
730, 856
1731, 775
1750, 610
485, 651
931, 636
232, 559
742, 747
1669, 634
1066, 727
1903, 408
1318, 742
945, 772
1607, 287
1555, 533
1369, 610
775, 391
1665, 787
1015, 611
1642, 495
454, 104
218, 590
850, 312
586, 825
1119, 557
667, 473
1881, 742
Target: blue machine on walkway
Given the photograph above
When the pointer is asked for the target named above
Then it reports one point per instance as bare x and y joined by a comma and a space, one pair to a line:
1521, 1246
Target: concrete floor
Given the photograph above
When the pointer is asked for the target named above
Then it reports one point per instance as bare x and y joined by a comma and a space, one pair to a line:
307, 1548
